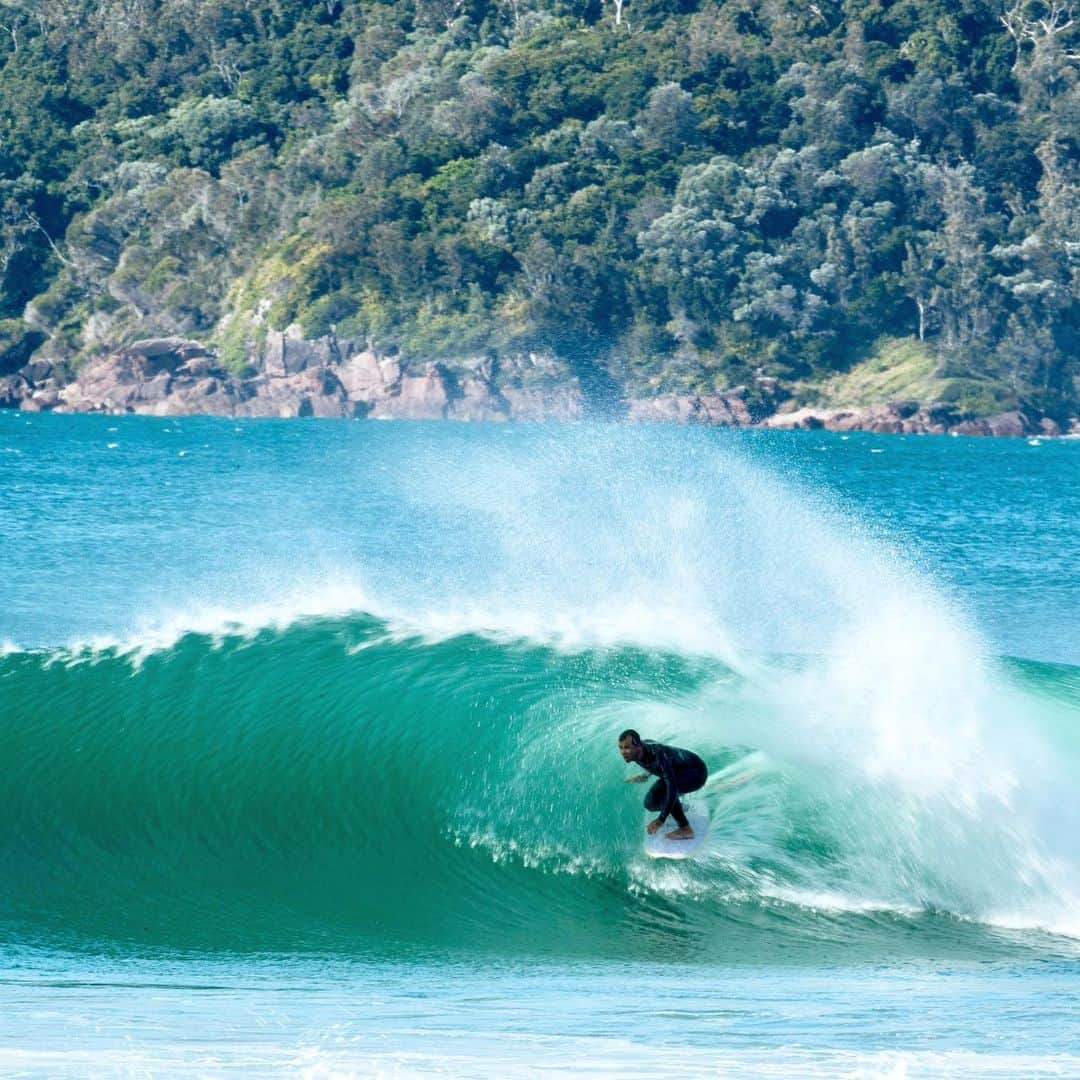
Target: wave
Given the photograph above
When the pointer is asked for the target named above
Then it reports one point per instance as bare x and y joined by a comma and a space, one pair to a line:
348, 781
397, 722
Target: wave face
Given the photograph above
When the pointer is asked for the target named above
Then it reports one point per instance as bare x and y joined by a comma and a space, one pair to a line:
335, 784
411, 739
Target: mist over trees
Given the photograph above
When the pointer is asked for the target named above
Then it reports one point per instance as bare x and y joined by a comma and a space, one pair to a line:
677, 194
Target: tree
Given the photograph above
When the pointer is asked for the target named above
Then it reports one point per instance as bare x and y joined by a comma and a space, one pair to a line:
954, 252
668, 122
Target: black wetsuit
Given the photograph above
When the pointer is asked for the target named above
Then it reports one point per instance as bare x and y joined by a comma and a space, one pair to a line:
679, 770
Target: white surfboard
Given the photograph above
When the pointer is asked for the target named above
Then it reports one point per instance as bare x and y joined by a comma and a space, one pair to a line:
658, 846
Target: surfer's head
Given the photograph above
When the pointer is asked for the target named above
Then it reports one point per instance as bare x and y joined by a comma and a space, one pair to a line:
630, 745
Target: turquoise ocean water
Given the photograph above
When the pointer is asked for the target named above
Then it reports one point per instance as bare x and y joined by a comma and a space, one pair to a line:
307, 734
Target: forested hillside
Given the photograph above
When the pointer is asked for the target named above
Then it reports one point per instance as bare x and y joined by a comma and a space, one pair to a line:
664, 194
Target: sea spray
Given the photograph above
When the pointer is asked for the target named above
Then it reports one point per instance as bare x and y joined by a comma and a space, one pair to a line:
935, 773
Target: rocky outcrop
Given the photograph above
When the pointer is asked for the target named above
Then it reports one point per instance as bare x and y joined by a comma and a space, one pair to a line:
367, 377
166, 352
894, 418
14, 390
554, 403
337, 378
911, 418
717, 410
293, 377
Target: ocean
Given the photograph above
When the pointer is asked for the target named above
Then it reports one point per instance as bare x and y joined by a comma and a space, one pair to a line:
309, 767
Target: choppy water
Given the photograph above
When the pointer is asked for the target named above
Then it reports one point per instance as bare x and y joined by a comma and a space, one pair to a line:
309, 768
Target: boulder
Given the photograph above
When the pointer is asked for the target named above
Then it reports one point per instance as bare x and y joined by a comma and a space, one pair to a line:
970, 427
475, 399
885, 419
209, 396
108, 383
923, 423
842, 420
716, 410
157, 388
1013, 424
288, 352
38, 371
324, 395
254, 398
312, 392
13, 389
198, 367
367, 378
662, 409
560, 403
273, 359
418, 397
940, 413
44, 399
164, 354
735, 406
806, 419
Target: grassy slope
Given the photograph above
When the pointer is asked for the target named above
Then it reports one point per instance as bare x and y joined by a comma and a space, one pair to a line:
906, 369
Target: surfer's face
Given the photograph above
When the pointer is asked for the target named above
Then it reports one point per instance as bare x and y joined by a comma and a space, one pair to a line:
630, 750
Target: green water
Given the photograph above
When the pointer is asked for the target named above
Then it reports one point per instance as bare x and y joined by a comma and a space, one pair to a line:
312, 708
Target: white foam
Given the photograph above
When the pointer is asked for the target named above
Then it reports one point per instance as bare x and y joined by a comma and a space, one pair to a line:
220, 622
833, 901
608, 624
412, 1050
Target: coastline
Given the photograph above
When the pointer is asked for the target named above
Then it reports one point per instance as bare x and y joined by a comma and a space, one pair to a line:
343, 379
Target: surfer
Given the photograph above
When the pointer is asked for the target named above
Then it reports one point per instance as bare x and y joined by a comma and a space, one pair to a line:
680, 771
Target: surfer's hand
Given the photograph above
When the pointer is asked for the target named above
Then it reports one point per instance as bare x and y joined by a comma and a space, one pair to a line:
653, 826
639, 779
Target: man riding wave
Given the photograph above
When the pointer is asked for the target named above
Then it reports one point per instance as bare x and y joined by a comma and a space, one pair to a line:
679, 771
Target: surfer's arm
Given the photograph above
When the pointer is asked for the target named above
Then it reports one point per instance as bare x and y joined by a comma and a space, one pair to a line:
640, 778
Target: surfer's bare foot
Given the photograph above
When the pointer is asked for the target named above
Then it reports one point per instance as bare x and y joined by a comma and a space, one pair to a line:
682, 833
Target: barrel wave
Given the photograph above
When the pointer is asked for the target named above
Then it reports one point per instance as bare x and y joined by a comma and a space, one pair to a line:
410, 739
340, 783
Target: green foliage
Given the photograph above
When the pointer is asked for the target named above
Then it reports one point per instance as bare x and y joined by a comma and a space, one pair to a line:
204, 133
17, 342
683, 199
237, 339
980, 397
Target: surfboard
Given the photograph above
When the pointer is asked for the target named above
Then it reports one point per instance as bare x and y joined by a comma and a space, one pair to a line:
658, 846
